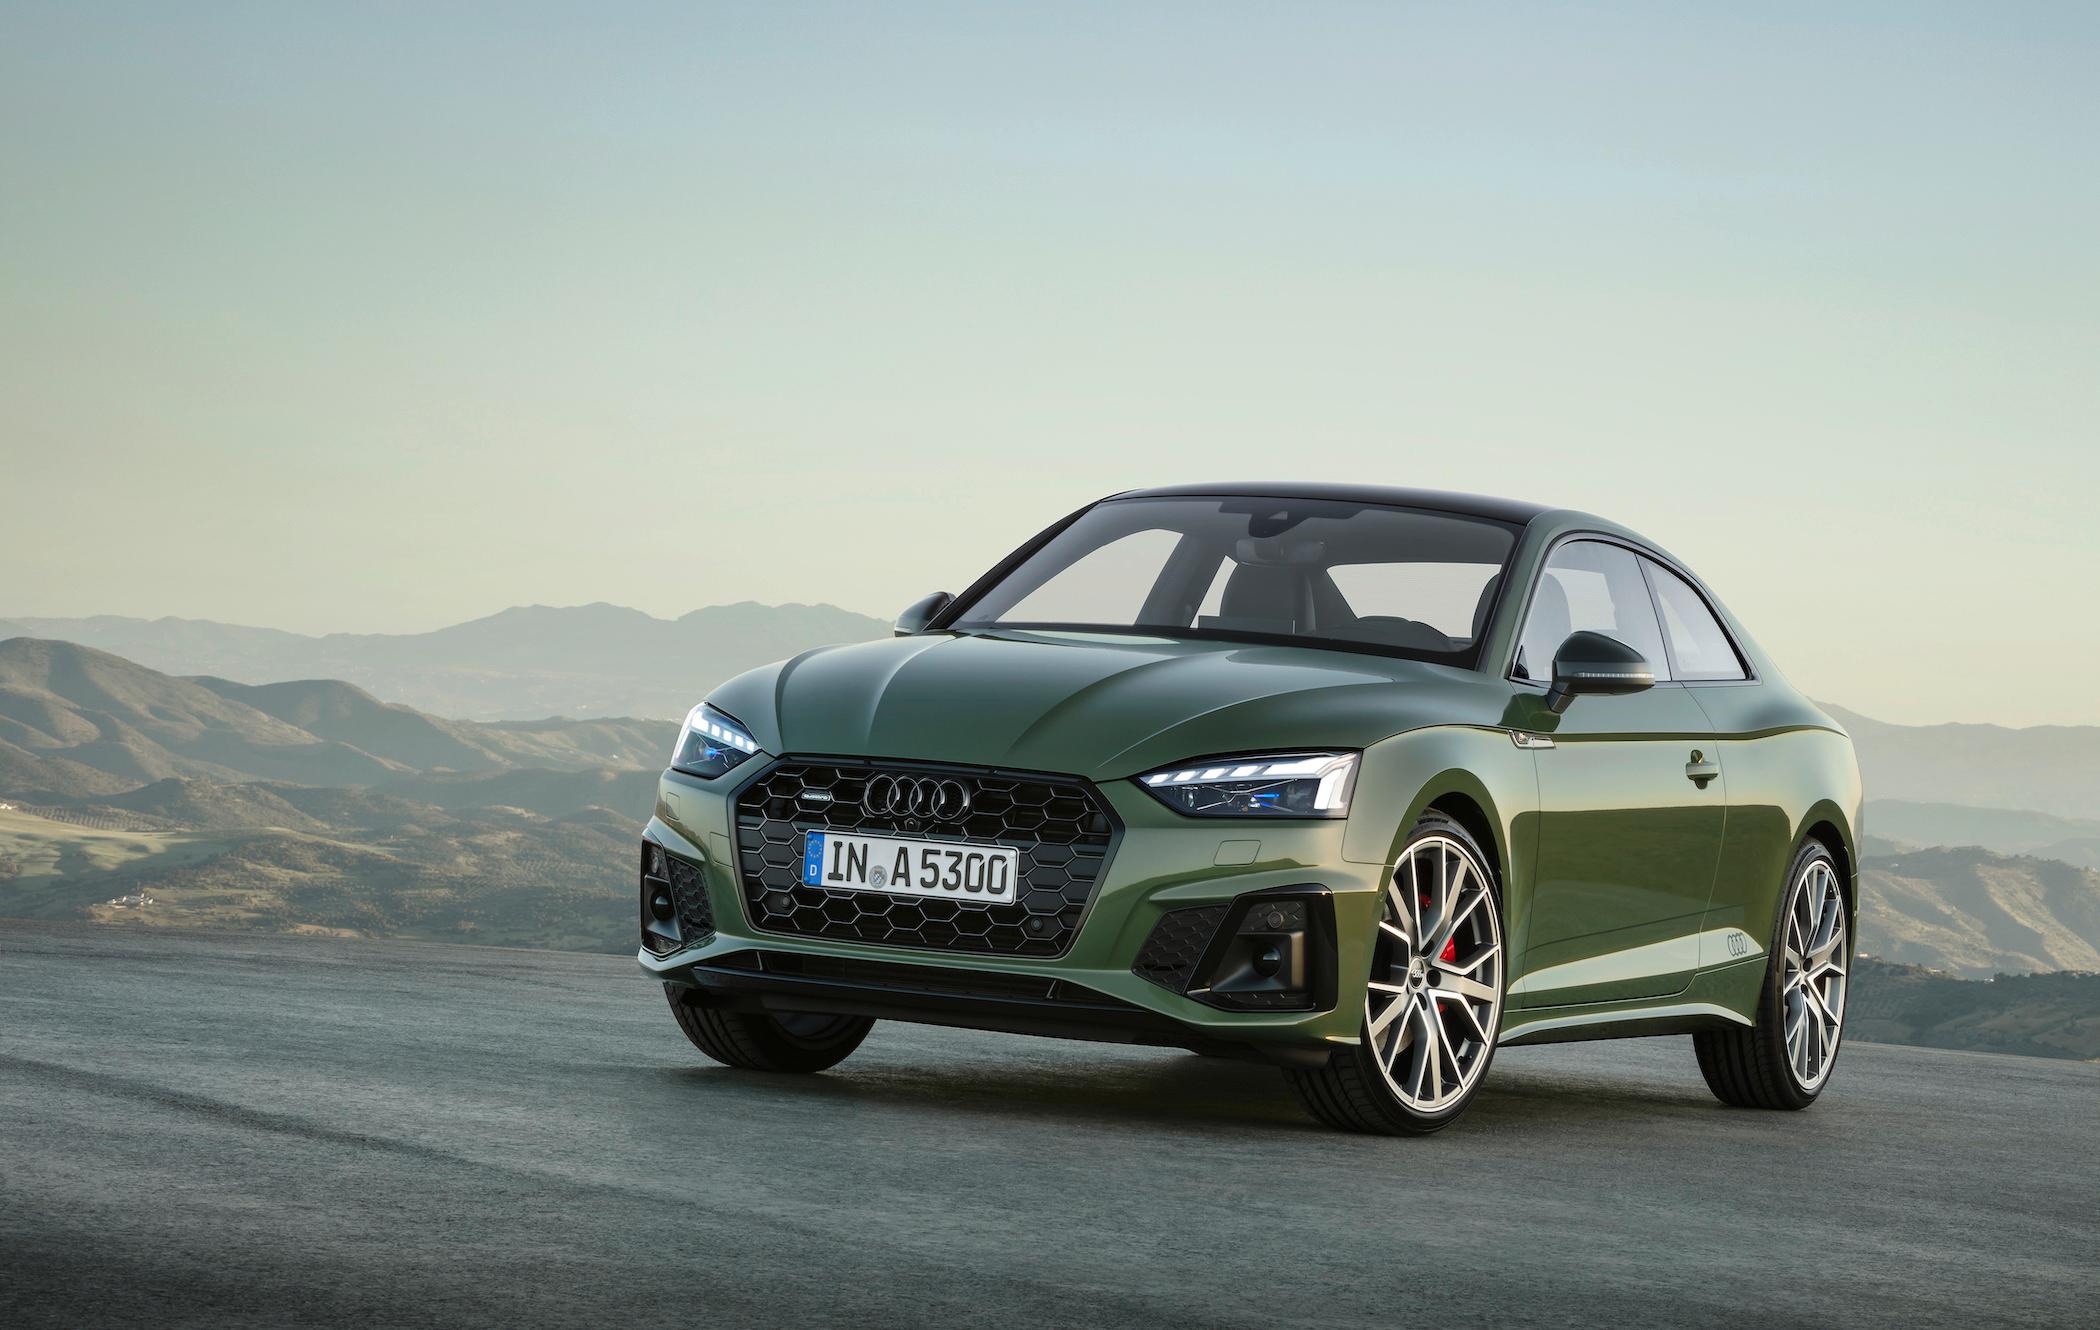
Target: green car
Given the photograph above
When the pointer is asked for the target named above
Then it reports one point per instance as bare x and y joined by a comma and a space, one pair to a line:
1360, 782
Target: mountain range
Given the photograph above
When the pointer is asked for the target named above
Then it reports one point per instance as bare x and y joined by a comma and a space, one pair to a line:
78, 722
309, 806
2053, 769
521, 664
1895, 825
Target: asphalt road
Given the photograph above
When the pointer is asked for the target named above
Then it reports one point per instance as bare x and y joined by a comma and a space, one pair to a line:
220, 1131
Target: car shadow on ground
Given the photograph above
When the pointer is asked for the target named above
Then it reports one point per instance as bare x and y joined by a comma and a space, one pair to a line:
1179, 1090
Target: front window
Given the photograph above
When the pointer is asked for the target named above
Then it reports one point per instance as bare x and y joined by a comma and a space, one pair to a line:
1359, 576
1589, 586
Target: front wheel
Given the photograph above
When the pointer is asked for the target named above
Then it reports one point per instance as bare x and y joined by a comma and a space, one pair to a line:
755, 1041
1433, 1000
1784, 1059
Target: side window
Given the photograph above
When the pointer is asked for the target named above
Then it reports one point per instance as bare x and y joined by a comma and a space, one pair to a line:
1589, 586
1698, 643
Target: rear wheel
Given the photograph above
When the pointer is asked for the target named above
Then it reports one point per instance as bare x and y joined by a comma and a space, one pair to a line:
755, 1041
1434, 997
1784, 1060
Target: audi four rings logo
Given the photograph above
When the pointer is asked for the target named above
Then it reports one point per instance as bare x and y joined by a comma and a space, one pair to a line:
917, 796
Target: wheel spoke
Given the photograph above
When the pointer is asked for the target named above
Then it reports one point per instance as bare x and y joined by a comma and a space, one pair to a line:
1433, 1051
1403, 1035
1414, 894
1449, 888
1448, 929
1472, 1018
1470, 964
1379, 1022
1402, 922
1451, 981
1815, 1002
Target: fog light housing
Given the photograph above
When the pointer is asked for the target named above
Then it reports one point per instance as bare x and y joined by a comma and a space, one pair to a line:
660, 931
1265, 951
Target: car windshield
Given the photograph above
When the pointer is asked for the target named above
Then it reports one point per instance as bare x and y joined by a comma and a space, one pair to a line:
1356, 576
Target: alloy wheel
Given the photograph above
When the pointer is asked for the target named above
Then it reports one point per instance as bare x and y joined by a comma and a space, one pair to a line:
1435, 994
1813, 982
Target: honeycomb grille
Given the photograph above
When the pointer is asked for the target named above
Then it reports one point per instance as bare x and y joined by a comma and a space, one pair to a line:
1062, 828
696, 915
1170, 955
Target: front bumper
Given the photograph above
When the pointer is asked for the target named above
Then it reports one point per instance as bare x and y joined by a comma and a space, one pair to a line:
1162, 862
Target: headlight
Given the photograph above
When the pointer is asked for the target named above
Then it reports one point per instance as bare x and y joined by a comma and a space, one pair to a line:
711, 744
1287, 785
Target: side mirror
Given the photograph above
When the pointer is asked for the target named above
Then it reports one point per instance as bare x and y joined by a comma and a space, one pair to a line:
1593, 664
921, 613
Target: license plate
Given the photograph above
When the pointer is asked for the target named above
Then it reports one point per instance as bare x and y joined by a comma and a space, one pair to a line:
910, 867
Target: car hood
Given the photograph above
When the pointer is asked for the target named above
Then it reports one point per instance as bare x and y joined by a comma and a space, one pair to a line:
1086, 704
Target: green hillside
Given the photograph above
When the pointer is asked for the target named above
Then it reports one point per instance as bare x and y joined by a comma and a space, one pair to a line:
2042, 1015
494, 875
76, 723
1974, 913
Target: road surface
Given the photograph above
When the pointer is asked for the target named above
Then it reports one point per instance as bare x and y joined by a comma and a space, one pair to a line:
229, 1130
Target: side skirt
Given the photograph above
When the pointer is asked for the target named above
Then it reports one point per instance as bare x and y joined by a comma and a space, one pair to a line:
1720, 999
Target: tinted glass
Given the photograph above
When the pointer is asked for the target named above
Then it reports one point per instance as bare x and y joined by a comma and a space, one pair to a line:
1364, 576
1594, 587
1697, 641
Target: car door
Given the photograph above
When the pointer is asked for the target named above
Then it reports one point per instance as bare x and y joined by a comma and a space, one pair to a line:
1632, 804
1761, 768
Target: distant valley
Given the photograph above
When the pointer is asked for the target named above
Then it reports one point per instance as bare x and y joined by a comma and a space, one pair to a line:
127, 795
521, 664
2040, 1015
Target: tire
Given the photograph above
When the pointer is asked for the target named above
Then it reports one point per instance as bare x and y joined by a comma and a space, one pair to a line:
1412, 1008
755, 1041
1771, 1064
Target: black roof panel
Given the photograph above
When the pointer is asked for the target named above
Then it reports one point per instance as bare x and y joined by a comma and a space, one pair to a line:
1515, 511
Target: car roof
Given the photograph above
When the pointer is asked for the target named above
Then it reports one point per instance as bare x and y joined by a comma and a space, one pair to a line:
1514, 511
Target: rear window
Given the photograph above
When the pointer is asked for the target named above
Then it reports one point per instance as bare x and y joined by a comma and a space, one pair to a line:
1698, 644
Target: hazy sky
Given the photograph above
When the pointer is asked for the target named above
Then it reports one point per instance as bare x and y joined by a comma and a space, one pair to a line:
382, 317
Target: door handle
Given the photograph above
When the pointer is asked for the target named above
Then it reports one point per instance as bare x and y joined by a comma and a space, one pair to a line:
1699, 771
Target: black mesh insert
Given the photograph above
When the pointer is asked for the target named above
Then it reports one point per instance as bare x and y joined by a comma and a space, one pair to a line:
1169, 956
696, 914
1061, 826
